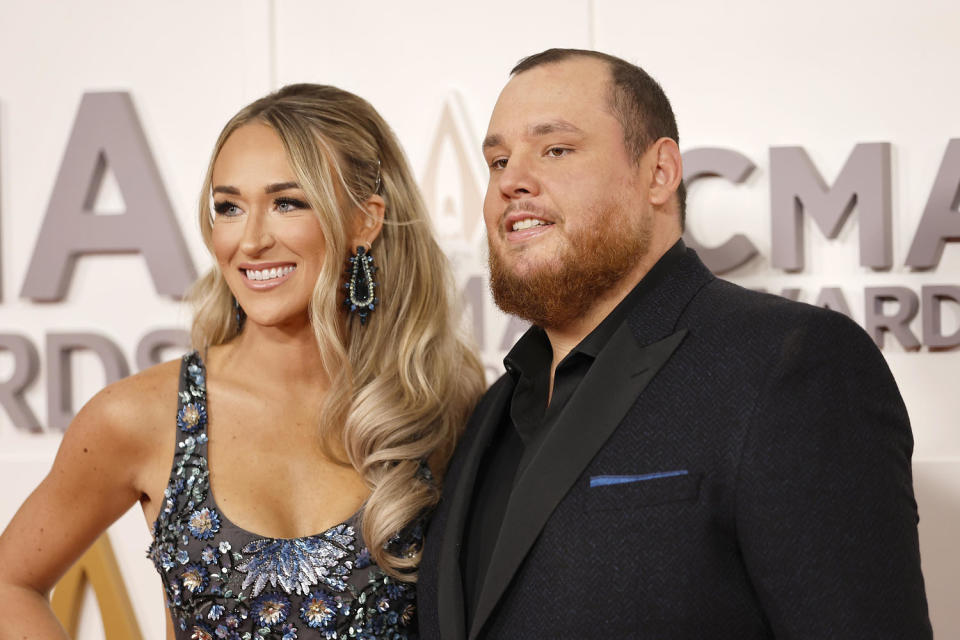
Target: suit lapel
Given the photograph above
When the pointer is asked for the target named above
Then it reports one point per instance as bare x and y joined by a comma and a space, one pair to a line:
616, 378
450, 607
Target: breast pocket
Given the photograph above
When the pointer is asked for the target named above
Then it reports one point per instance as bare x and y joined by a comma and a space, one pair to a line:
620, 492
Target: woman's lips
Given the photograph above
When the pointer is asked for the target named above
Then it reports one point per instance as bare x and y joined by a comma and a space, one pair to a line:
262, 277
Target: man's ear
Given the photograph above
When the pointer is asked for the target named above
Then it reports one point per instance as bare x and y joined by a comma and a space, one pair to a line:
667, 170
368, 222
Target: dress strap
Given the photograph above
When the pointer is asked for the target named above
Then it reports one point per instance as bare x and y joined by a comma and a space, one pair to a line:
192, 401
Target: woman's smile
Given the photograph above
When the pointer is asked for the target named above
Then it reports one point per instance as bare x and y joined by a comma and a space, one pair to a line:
267, 276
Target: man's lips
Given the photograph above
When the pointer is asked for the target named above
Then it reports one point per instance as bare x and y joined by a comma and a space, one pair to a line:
519, 226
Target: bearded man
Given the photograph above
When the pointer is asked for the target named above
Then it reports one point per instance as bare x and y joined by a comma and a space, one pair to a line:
668, 455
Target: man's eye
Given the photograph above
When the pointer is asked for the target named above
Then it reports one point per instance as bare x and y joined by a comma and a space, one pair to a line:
285, 205
226, 208
499, 163
558, 152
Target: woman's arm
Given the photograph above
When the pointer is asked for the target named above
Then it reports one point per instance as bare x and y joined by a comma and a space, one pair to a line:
96, 476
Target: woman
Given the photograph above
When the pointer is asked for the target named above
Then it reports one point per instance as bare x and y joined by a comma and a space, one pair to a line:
282, 465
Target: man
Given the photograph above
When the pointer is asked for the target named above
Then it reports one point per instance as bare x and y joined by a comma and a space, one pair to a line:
668, 455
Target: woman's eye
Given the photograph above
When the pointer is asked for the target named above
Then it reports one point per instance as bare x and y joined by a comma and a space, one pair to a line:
226, 208
286, 205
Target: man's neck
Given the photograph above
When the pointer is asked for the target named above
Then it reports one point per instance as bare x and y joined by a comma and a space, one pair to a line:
564, 339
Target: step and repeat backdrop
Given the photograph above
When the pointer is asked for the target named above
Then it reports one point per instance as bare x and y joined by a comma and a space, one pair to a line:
821, 143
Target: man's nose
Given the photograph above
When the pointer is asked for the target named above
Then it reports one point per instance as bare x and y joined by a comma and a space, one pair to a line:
518, 179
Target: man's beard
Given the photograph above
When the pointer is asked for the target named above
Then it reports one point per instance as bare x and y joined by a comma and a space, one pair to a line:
593, 262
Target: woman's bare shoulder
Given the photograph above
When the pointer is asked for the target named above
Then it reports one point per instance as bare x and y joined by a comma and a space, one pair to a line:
138, 408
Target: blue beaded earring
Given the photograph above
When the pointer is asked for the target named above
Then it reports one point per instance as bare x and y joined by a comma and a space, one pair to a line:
239, 314
360, 286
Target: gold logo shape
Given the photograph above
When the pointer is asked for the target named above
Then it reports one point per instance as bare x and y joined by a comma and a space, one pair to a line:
98, 566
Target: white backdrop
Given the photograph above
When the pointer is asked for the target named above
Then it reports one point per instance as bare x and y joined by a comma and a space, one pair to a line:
745, 75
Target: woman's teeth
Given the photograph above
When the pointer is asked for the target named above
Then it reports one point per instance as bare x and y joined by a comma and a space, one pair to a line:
526, 223
269, 274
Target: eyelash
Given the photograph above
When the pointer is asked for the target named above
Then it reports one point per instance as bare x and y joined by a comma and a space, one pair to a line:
223, 207
293, 203
501, 163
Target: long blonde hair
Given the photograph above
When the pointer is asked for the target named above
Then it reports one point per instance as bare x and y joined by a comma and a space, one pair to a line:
402, 385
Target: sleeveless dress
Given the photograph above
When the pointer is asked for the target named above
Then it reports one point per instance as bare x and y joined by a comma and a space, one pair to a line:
222, 582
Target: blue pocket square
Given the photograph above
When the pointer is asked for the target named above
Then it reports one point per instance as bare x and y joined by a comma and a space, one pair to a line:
602, 481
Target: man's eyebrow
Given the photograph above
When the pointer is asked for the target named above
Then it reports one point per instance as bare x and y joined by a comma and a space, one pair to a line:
281, 186
536, 130
553, 126
231, 190
492, 140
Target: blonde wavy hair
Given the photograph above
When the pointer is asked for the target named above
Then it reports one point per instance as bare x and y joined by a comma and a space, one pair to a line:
402, 385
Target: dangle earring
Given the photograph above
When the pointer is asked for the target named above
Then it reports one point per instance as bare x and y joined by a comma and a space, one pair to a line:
239, 314
360, 285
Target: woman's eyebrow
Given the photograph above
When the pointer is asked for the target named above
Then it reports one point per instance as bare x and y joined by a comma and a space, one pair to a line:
281, 186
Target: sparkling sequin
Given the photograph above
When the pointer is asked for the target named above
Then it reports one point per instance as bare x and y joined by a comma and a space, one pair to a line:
204, 523
223, 583
198, 633
270, 609
296, 565
192, 417
194, 578
319, 610
209, 555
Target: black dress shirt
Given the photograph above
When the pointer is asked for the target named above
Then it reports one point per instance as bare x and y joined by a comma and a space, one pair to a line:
528, 420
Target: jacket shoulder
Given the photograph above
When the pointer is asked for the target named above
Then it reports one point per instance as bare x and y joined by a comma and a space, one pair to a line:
726, 304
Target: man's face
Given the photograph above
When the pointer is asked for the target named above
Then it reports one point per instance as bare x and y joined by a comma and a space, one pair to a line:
565, 208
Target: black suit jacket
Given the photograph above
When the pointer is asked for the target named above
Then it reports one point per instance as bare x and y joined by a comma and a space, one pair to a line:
734, 465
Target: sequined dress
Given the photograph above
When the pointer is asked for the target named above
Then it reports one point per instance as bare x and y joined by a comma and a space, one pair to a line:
222, 582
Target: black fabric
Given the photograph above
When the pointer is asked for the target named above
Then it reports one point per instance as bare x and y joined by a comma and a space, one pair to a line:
493, 487
776, 495
527, 419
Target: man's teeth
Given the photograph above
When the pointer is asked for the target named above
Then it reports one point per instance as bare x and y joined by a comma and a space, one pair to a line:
526, 223
269, 274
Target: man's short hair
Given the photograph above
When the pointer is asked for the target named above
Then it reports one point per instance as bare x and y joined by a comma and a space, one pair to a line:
636, 100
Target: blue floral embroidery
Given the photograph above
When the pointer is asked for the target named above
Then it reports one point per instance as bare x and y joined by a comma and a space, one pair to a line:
194, 578
192, 417
270, 609
363, 559
298, 564
320, 586
200, 633
209, 555
319, 610
204, 523
227, 634
196, 374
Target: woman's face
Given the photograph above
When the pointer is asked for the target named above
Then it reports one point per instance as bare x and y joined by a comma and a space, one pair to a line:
266, 238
